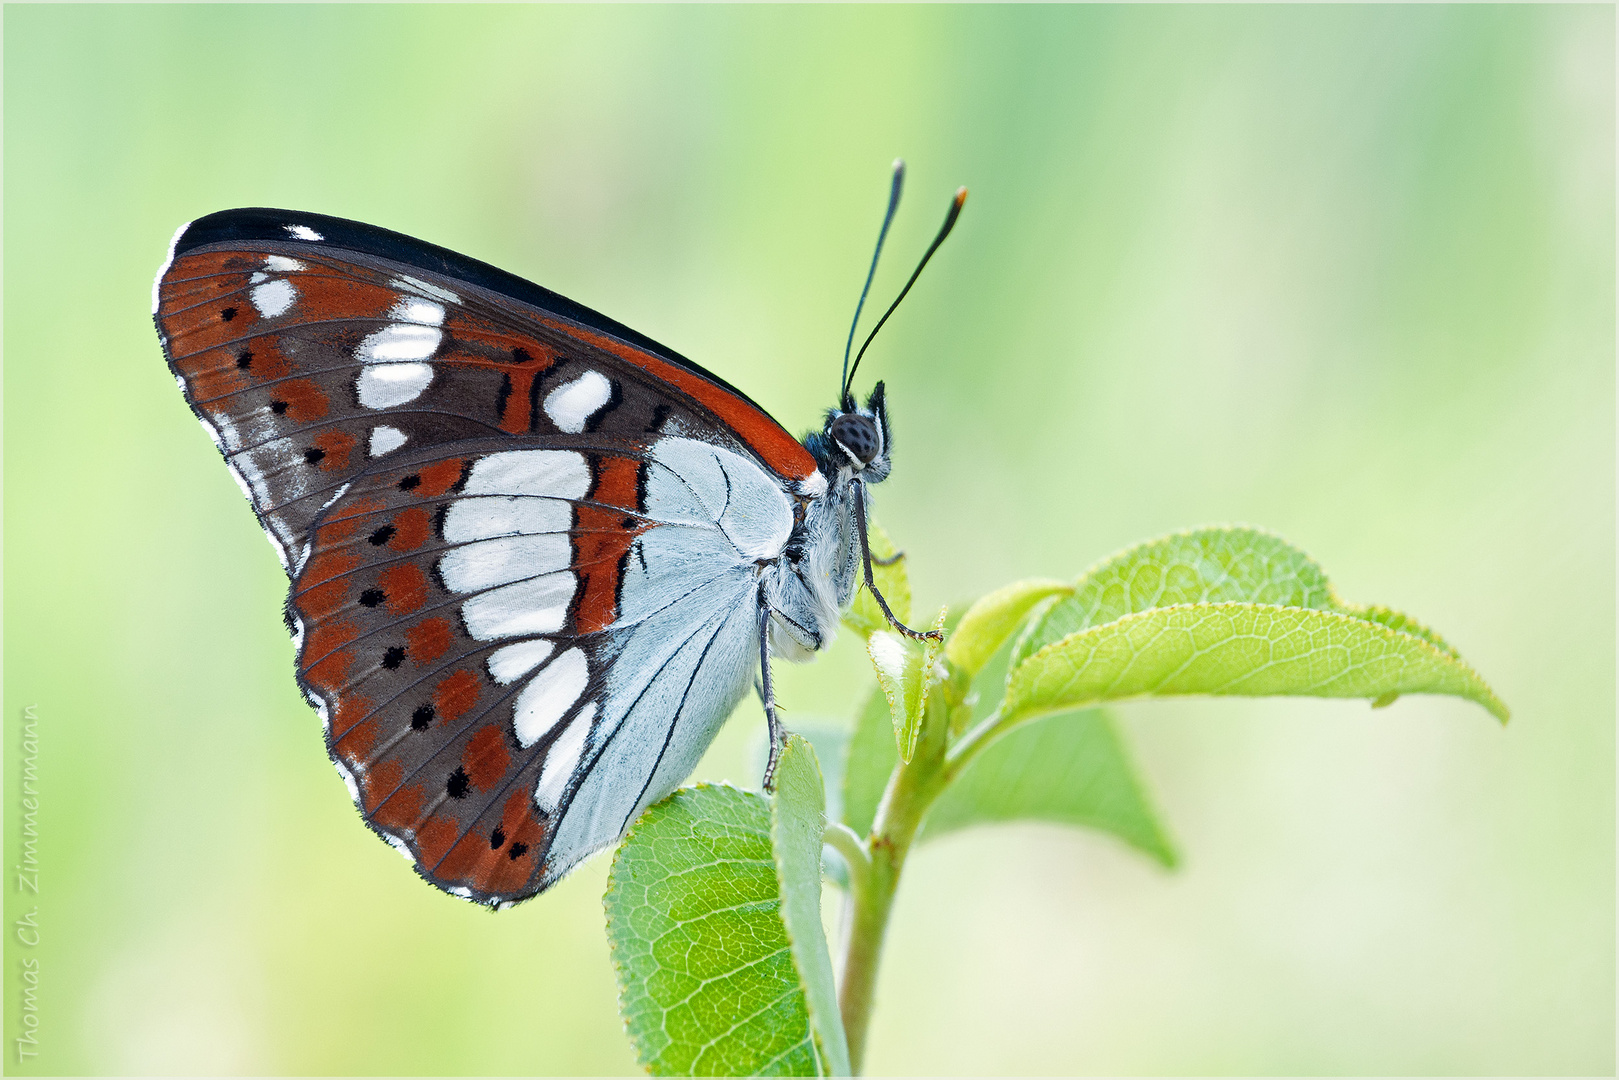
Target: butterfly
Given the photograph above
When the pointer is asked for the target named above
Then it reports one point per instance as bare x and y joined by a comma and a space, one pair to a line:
536, 558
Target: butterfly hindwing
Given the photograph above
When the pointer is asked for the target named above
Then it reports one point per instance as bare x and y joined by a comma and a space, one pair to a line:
515, 650
438, 616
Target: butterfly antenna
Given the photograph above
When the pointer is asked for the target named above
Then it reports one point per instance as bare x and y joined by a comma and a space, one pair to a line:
893, 204
944, 231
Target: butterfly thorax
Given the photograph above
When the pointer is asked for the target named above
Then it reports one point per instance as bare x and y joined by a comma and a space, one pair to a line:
814, 581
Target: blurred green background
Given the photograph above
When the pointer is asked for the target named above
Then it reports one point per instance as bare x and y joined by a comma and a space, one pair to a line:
1347, 273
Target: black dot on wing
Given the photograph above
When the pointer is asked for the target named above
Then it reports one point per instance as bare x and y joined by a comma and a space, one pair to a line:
410, 483
245, 360
659, 415
516, 851
278, 407
438, 519
393, 657
382, 536
314, 454
458, 784
496, 839
373, 597
628, 523
228, 314
521, 355
422, 717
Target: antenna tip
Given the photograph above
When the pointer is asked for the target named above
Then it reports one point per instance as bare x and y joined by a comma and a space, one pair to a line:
899, 164
961, 197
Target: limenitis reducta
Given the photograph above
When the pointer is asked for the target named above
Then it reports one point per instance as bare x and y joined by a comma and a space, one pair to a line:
535, 556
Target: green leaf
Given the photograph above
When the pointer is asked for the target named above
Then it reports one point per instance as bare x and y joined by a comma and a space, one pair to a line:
900, 676
871, 757
1221, 566
993, 618
1071, 769
906, 671
707, 981
1232, 648
797, 823
1201, 566
829, 739
864, 616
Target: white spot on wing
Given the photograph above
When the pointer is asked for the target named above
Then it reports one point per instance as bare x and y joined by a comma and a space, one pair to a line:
382, 386
571, 405
518, 491
274, 297
511, 663
385, 439
282, 265
413, 310
258, 276
407, 283
536, 606
303, 232
561, 473
479, 519
562, 759
548, 696
398, 343
487, 563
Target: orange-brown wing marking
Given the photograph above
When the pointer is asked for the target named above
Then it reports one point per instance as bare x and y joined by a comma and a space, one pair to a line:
604, 529
768, 439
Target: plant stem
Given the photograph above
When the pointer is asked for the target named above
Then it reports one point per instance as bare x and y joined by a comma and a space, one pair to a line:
847, 843
911, 790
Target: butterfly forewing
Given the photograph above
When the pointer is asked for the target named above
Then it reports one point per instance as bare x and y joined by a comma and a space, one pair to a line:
522, 541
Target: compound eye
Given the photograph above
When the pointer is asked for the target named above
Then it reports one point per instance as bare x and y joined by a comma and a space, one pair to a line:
856, 434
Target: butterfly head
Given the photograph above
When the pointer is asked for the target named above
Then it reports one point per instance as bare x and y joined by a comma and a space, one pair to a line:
855, 440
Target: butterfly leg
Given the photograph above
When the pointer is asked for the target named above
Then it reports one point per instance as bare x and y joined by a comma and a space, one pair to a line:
767, 694
890, 561
866, 560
